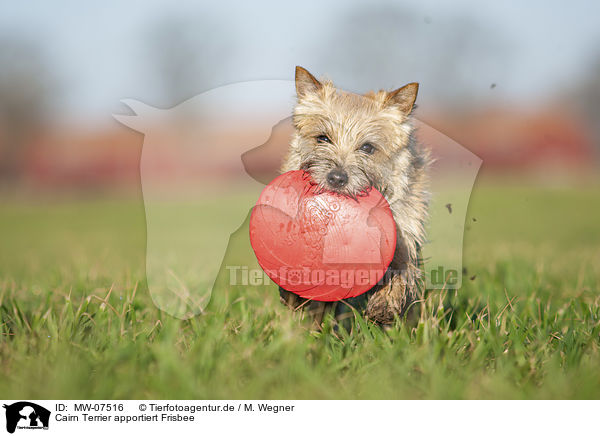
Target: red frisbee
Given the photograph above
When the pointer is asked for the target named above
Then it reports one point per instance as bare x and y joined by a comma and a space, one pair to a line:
319, 244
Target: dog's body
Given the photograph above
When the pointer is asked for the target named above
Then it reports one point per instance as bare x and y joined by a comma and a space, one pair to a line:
350, 142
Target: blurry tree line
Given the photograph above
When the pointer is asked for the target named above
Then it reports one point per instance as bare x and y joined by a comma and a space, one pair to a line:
455, 57
26, 93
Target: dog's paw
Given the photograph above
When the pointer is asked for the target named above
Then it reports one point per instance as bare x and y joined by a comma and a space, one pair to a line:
388, 302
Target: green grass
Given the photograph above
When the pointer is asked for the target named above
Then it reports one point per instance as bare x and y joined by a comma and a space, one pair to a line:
76, 319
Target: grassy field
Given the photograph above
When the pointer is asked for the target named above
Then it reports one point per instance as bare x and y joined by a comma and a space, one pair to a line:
76, 319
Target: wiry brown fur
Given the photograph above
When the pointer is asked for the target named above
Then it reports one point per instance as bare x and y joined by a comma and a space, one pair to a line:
397, 168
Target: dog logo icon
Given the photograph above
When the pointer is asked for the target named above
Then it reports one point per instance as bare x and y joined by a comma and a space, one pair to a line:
26, 415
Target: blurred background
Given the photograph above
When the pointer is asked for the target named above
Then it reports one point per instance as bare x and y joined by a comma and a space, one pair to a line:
517, 84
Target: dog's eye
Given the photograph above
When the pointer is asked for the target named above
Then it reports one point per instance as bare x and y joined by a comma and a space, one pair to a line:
367, 148
323, 139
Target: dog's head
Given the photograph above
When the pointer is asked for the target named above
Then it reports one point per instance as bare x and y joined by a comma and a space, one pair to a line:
350, 142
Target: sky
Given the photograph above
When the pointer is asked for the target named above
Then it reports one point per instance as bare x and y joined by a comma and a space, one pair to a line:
99, 53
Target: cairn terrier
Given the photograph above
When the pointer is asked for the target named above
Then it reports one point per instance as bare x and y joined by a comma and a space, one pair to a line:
348, 143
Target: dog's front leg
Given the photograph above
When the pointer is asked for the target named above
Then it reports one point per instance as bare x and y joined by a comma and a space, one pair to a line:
388, 302
393, 297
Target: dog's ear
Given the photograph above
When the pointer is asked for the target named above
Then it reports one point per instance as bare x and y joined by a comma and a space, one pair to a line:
306, 82
404, 98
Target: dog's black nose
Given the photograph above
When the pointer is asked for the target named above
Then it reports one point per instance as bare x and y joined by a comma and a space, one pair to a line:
337, 178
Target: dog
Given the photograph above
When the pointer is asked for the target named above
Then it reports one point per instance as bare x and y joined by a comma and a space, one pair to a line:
349, 143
